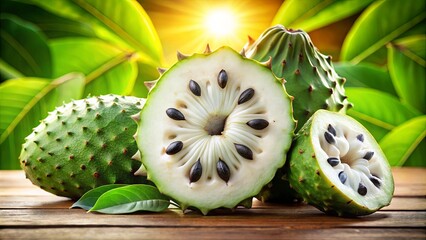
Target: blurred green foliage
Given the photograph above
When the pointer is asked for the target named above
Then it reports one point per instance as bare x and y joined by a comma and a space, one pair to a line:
52, 51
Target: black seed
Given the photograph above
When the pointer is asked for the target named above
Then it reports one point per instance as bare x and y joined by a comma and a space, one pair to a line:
329, 138
175, 114
362, 189
368, 155
174, 147
222, 78
360, 137
333, 161
343, 177
195, 173
244, 151
376, 181
195, 88
246, 95
331, 129
223, 170
258, 124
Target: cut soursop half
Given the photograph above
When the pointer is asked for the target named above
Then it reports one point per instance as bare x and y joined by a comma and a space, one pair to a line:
214, 130
310, 76
82, 145
337, 166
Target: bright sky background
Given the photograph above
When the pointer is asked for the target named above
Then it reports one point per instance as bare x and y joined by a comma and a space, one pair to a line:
187, 26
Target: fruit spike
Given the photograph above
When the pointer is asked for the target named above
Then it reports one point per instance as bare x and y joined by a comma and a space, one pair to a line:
207, 50
161, 70
181, 56
150, 84
308, 73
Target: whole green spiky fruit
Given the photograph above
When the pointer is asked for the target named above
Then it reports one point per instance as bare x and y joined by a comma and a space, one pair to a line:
82, 145
309, 75
337, 166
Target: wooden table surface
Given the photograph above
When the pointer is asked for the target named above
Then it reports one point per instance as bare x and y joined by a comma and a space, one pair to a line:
27, 212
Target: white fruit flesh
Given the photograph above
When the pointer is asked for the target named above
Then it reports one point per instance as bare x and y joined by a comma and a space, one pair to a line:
214, 123
352, 146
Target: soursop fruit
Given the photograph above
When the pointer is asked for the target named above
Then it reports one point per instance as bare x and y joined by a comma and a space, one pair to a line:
214, 130
337, 166
310, 76
82, 145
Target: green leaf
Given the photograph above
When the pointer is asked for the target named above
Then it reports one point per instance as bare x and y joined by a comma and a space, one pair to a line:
405, 145
53, 26
88, 200
313, 14
23, 103
19, 56
379, 112
380, 23
365, 75
132, 198
407, 66
146, 73
107, 68
126, 20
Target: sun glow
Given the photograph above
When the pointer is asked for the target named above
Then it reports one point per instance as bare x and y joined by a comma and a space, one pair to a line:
221, 22
188, 26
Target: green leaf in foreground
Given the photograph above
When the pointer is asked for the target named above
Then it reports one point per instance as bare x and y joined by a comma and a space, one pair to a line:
405, 145
88, 200
132, 198
379, 112
23, 103
407, 67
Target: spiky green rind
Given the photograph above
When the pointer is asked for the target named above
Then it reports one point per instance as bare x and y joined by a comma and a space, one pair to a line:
312, 184
82, 145
309, 75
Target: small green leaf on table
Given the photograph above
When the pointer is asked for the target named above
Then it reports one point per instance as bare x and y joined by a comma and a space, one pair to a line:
131, 198
88, 200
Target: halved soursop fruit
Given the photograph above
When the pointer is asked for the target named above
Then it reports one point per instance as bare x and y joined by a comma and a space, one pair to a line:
214, 130
337, 166
310, 76
82, 145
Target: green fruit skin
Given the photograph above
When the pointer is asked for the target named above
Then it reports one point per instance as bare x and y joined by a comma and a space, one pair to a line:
83, 145
279, 189
309, 75
306, 177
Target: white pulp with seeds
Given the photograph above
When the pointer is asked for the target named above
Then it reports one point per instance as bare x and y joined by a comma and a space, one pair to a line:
338, 166
214, 130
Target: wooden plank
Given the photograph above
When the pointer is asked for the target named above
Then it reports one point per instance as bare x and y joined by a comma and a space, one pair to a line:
45, 202
48, 202
211, 233
307, 217
407, 204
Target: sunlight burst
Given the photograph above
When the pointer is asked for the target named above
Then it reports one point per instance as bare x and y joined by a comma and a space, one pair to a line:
220, 22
